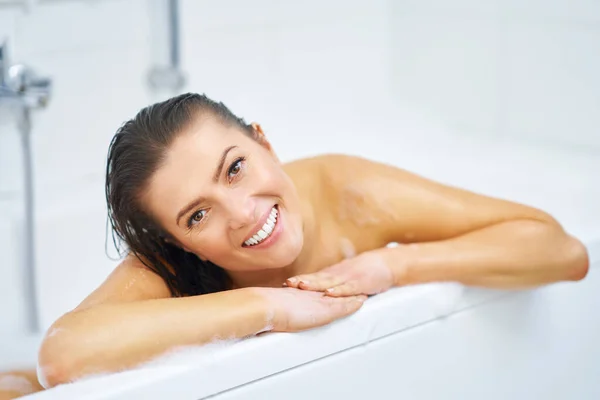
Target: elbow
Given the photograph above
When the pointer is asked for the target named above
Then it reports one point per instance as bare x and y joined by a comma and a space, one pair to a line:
578, 261
53, 367
570, 258
50, 374
57, 358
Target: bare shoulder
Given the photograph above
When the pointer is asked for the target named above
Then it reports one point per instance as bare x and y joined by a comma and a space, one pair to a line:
131, 280
384, 203
335, 167
341, 172
337, 176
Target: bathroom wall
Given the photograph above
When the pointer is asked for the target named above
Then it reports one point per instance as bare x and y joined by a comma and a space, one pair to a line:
341, 76
508, 68
97, 55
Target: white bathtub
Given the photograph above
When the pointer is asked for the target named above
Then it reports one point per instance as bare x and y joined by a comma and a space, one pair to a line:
437, 341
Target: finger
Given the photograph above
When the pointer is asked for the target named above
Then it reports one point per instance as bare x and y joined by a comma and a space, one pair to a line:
350, 288
341, 307
317, 282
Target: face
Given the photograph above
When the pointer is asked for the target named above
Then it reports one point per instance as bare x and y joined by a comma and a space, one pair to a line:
224, 196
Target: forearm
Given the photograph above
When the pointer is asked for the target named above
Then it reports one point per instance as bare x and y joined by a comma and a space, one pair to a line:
509, 255
112, 337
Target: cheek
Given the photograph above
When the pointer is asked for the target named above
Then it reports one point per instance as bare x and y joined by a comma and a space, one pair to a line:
204, 245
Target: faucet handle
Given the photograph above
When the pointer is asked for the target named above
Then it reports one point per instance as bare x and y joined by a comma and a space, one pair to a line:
21, 83
35, 90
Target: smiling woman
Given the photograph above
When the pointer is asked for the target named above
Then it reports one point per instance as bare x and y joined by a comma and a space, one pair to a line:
224, 241
215, 190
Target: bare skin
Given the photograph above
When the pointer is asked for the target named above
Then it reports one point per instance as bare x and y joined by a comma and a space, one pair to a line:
18, 383
335, 214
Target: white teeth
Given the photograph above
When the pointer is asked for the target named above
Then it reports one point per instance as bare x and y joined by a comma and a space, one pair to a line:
265, 231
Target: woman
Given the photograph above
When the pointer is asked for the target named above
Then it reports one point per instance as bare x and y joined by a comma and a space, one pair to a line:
225, 241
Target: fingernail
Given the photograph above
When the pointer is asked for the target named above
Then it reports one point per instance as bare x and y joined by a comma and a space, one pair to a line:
284, 284
305, 283
292, 280
330, 290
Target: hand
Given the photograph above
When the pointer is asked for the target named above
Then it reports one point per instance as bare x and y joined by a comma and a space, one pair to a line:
293, 310
368, 273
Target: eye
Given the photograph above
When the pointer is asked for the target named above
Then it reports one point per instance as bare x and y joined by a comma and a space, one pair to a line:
196, 218
235, 168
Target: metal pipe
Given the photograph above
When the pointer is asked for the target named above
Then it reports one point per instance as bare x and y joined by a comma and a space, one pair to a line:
24, 126
22, 91
166, 75
174, 49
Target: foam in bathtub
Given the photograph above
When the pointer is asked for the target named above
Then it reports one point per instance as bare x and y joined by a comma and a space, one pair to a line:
15, 383
189, 355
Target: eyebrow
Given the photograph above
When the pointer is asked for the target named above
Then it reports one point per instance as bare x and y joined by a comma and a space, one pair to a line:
216, 175
221, 163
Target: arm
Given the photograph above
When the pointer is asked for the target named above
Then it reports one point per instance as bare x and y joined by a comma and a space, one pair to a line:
130, 319
472, 239
509, 255
449, 234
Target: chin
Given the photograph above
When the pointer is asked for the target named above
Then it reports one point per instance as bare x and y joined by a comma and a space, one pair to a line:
286, 257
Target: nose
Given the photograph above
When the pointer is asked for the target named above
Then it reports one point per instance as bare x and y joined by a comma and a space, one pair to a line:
241, 211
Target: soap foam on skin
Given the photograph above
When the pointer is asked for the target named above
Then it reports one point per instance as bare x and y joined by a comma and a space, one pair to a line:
348, 249
41, 376
54, 331
269, 322
16, 383
185, 355
41, 372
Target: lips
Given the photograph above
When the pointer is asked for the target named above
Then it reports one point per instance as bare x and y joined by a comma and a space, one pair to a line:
264, 228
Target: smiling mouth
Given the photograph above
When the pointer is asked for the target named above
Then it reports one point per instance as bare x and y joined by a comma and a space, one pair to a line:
265, 231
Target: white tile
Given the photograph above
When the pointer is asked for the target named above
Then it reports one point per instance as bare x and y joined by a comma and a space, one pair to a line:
462, 8
334, 11
335, 66
91, 100
447, 67
8, 19
12, 285
19, 351
9, 140
237, 67
71, 248
552, 84
240, 14
11, 168
573, 11
315, 65
79, 25
227, 13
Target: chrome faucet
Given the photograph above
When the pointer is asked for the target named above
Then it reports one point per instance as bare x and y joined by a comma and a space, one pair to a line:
20, 85
21, 91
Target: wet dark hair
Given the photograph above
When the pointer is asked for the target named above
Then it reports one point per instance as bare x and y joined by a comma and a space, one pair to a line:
135, 153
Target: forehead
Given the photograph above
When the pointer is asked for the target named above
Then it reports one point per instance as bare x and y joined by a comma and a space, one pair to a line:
205, 136
189, 165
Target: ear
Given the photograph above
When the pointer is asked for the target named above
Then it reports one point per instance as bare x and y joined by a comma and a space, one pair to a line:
260, 137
